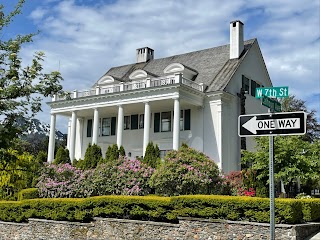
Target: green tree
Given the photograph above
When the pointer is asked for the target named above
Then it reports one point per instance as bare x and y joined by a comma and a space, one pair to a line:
62, 156
292, 104
294, 160
21, 85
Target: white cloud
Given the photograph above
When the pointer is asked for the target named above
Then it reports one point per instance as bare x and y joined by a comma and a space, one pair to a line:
88, 39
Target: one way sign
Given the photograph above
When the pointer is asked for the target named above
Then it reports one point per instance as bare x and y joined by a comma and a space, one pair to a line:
288, 123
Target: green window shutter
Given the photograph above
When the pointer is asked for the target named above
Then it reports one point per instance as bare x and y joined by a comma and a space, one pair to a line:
113, 126
89, 128
187, 119
134, 121
157, 122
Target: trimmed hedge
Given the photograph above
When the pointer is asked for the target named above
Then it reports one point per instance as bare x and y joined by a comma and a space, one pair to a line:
164, 209
237, 208
311, 209
84, 209
28, 193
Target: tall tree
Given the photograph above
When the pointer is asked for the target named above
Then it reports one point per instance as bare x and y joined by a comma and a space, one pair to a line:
21, 85
292, 104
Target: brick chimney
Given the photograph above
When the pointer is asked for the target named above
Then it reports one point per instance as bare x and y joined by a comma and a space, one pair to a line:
144, 54
236, 39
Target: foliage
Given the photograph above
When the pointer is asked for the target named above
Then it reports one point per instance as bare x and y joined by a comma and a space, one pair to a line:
91, 158
17, 171
122, 152
42, 157
292, 104
62, 156
21, 85
64, 180
294, 159
28, 193
122, 176
165, 209
239, 183
186, 171
152, 155
150, 208
237, 208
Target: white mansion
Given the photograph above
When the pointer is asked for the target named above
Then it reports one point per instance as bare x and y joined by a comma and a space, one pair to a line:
192, 98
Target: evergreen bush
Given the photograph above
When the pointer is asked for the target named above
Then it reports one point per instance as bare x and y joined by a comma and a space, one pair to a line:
28, 193
152, 155
92, 157
62, 156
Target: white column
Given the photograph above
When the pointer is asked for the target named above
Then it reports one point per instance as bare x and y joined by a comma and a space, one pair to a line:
146, 129
176, 124
120, 126
73, 135
95, 126
52, 138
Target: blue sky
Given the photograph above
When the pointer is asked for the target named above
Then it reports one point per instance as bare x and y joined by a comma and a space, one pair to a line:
84, 38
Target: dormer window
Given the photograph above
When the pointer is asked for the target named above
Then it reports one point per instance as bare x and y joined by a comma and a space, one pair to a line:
187, 72
138, 74
106, 80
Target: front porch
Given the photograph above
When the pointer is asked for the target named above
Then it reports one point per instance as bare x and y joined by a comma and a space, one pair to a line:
167, 114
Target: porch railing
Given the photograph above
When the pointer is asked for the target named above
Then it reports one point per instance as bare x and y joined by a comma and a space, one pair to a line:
146, 83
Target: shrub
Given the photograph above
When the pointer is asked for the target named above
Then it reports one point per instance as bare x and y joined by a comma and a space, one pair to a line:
186, 171
152, 155
83, 210
122, 176
156, 208
62, 156
17, 171
91, 158
42, 157
28, 193
310, 209
64, 180
122, 152
237, 208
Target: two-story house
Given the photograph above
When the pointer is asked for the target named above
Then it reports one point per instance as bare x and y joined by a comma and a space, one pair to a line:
194, 98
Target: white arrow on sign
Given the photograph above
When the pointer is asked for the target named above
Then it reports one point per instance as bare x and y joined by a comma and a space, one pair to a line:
271, 124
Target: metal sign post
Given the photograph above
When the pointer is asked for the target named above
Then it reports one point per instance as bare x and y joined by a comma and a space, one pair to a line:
271, 187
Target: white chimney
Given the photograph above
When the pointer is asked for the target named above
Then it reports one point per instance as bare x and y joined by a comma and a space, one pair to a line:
144, 54
236, 39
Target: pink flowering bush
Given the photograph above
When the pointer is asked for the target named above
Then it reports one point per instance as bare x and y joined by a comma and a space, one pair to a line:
186, 171
64, 181
238, 184
122, 177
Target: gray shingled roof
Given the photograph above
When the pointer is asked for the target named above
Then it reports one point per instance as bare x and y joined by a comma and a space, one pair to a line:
213, 65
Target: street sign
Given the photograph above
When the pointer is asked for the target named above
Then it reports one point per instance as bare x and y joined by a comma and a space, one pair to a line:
272, 124
274, 105
272, 92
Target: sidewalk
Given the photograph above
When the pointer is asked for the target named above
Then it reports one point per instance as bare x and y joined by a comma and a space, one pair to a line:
315, 237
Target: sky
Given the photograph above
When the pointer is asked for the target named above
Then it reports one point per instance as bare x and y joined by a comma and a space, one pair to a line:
84, 38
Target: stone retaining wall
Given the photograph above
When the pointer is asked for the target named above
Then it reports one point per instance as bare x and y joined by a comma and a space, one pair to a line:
118, 229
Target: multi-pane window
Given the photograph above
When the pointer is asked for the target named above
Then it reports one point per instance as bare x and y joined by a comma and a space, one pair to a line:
106, 127
165, 121
126, 124
89, 128
162, 121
